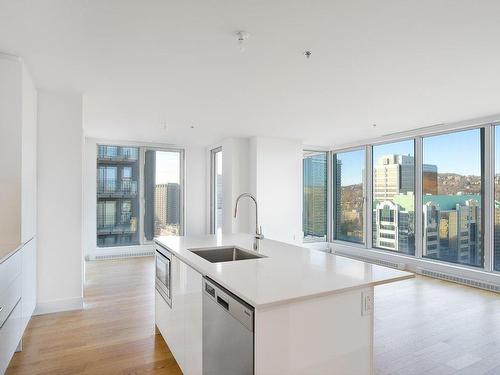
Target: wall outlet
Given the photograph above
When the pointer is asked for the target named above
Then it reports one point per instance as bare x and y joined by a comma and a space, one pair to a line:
366, 303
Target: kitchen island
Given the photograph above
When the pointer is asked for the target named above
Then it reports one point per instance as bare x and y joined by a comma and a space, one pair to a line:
313, 311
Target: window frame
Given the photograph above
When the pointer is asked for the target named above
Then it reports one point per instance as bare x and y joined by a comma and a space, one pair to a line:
182, 186
417, 135
328, 193
213, 190
332, 193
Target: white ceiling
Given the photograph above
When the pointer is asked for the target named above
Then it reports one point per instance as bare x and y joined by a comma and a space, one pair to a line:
399, 64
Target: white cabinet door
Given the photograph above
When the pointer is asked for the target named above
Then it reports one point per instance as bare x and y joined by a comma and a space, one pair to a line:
10, 334
193, 324
28, 301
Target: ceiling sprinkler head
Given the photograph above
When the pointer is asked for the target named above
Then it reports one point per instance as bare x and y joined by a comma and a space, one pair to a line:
307, 54
241, 36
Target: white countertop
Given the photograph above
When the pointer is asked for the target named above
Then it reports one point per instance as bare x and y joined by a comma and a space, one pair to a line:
289, 272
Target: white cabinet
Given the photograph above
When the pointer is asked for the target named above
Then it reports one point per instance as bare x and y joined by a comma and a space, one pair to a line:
181, 324
193, 333
9, 337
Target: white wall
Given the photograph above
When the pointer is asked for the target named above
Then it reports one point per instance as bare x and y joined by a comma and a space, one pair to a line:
29, 158
275, 173
195, 185
60, 142
235, 180
10, 152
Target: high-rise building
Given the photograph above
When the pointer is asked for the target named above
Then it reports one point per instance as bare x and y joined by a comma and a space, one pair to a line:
394, 224
452, 227
173, 203
314, 218
429, 179
392, 175
160, 205
117, 200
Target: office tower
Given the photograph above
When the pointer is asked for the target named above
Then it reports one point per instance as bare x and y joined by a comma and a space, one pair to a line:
394, 224
160, 205
452, 228
173, 204
314, 218
392, 175
429, 179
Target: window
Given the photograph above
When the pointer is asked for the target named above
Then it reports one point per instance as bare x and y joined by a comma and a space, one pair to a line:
163, 193
452, 188
216, 191
394, 197
314, 211
117, 196
496, 259
349, 170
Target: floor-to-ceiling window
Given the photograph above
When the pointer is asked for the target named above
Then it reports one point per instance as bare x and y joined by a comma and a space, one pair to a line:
163, 203
314, 208
393, 204
117, 196
217, 201
121, 219
452, 197
349, 195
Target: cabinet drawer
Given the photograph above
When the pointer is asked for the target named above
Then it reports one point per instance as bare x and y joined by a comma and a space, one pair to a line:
10, 335
9, 298
9, 270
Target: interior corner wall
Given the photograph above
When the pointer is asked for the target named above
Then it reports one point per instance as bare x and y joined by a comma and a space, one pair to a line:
59, 217
275, 174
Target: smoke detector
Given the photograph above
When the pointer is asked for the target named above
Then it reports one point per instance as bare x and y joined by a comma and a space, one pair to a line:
241, 36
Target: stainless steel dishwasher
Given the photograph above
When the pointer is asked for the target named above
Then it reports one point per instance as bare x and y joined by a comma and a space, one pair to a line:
228, 337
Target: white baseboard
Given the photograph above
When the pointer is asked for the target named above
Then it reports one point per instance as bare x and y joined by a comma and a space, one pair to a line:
58, 306
102, 253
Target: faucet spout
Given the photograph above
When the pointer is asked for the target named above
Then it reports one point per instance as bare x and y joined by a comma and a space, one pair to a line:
258, 229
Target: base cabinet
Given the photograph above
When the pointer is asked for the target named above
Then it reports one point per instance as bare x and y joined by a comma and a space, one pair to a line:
181, 324
17, 299
10, 334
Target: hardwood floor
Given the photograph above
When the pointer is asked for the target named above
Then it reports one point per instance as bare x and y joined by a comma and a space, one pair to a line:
114, 334
422, 326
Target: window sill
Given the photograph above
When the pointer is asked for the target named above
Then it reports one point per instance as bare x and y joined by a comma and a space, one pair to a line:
413, 264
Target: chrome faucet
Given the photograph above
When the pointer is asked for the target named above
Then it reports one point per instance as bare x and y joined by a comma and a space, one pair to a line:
258, 230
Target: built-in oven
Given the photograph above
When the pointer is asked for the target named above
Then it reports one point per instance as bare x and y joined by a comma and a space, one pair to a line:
163, 275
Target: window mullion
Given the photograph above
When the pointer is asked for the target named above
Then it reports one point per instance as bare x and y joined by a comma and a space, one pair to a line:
489, 198
418, 198
368, 198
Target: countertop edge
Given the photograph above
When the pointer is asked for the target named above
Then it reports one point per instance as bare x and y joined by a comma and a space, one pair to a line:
9, 253
286, 301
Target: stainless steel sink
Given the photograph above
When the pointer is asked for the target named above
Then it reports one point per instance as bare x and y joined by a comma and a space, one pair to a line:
225, 254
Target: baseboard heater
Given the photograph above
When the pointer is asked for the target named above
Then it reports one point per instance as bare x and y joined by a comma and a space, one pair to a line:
399, 266
458, 279
123, 255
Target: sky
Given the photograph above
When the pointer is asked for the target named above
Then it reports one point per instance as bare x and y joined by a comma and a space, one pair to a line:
457, 152
167, 167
